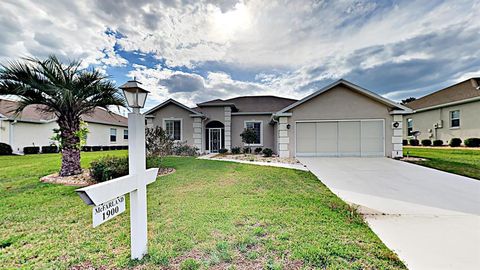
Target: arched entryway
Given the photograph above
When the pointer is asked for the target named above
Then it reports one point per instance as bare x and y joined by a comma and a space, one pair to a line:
215, 136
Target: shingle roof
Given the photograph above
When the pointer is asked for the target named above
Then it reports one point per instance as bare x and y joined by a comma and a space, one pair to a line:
32, 113
457, 92
252, 103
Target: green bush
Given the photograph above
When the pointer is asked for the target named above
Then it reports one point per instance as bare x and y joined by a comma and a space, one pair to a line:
426, 142
267, 152
258, 150
190, 264
105, 148
414, 142
5, 149
183, 149
49, 149
86, 148
109, 167
405, 142
28, 150
246, 150
96, 148
455, 142
472, 142
236, 150
437, 143
223, 151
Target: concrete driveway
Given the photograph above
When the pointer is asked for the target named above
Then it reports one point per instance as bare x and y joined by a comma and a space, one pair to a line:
430, 218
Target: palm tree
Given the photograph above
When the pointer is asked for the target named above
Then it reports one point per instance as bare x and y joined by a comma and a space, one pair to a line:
63, 89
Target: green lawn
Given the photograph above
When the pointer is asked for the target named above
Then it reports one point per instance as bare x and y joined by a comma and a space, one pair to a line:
460, 161
210, 214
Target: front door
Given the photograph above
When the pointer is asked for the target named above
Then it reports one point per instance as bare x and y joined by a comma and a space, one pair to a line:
215, 139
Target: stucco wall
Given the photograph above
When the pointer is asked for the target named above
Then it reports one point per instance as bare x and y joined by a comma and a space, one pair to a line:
424, 122
22, 134
172, 111
341, 103
238, 125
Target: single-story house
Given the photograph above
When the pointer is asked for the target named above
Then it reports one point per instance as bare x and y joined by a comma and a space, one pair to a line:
452, 112
341, 119
33, 128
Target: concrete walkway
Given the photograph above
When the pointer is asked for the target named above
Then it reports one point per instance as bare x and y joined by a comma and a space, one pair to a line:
272, 164
430, 218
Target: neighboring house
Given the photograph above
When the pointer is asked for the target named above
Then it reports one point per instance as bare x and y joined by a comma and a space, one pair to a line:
33, 128
341, 119
453, 112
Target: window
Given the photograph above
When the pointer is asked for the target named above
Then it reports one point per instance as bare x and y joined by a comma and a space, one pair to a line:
257, 127
125, 134
455, 119
113, 135
173, 128
409, 127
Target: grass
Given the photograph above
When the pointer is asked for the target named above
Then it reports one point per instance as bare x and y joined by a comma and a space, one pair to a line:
207, 214
459, 161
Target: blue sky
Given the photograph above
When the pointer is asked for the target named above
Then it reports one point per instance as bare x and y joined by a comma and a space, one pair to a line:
194, 51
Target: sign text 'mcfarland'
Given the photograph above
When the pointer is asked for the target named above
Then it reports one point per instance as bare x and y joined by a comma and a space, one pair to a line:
108, 210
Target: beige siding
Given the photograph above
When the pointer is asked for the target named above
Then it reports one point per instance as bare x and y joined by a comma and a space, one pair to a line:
172, 111
341, 103
425, 121
100, 135
238, 125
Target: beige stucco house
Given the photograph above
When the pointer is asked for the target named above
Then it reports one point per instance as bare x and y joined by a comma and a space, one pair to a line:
452, 112
341, 119
31, 128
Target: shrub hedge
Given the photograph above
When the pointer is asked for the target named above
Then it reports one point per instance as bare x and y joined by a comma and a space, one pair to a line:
236, 150
437, 143
414, 142
223, 151
267, 152
426, 142
258, 150
405, 142
28, 150
455, 142
5, 149
107, 168
472, 142
96, 148
49, 149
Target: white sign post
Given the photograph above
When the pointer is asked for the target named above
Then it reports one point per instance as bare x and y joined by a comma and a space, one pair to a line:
108, 197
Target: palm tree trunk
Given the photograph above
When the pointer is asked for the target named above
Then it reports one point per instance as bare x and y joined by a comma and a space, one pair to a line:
70, 146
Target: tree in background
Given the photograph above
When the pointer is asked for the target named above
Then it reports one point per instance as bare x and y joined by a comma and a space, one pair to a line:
407, 100
248, 136
63, 89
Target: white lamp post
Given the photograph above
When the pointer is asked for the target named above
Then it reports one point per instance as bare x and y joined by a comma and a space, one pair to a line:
108, 198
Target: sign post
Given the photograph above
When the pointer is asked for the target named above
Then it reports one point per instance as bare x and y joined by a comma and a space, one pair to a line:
108, 198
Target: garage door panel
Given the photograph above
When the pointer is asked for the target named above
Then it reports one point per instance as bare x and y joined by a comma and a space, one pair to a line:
326, 138
349, 138
372, 138
305, 140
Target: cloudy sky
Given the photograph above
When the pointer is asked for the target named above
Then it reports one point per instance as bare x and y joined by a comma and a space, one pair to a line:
194, 51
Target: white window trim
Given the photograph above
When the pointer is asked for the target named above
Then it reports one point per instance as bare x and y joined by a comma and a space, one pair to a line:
164, 120
110, 135
451, 119
261, 131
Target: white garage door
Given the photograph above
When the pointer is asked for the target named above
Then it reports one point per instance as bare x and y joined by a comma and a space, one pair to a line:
340, 138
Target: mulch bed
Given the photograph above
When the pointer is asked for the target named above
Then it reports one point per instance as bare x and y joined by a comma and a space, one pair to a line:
84, 179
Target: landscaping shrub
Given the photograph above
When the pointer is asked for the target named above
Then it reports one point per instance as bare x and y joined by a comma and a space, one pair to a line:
455, 142
158, 143
49, 149
96, 148
223, 151
105, 148
472, 142
236, 150
247, 150
437, 143
267, 152
183, 149
86, 148
405, 142
109, 167
5, 149
426, 142
28, 150
190, 264
414, 142
258, 150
